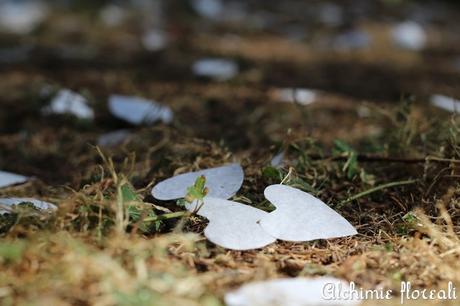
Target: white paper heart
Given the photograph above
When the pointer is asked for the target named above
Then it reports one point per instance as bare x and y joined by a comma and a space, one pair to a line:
15, 201
352, 40
137, 110
233, 225
446, 103
302, 96
300, 216
113, 15
215, 68
8, 179
277, 160
114, 138
292, 292
21, 17
69, 102
155, 40
222, 182
409, 35
211, 9
330, 14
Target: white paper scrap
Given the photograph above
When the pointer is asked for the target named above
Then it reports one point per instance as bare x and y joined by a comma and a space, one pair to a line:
409, 35
299, 216
21, 17
211, 9
15, 201
222, 182
112, 15
69, 102
293, 292
114, 138
296, 95
277, 160
8, 179
446, 103
155, 40
233, 225
137, 110
215, 68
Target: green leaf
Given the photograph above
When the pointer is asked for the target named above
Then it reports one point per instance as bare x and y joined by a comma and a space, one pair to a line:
129, 193
198, 191
272, 173
12, 251
350, 167
200, 183
342, 146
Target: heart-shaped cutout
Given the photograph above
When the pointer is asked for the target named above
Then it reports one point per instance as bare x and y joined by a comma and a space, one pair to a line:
137, 110
8, 179
299, 216
15, 201
222, 182
299, 291
233, 225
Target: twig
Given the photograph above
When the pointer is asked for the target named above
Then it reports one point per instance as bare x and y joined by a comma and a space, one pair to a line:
173, 215
377, 188
372, 158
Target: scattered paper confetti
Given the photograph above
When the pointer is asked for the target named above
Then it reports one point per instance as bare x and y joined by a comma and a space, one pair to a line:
15, 201
69, 102
222, 182
409, 35
8, 179
352, 40
292, 292
211, 9
155, 40
296, 95
233, 225
330, 14
137, 110
277, 160
113, 138
21, 17
446, 103
300, 216
215, 68
112, 15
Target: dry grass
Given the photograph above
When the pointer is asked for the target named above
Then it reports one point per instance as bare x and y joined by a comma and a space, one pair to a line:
94, 252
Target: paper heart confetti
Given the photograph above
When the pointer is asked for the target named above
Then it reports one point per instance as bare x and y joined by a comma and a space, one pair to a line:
137, 110
215, 68
300, 216
222, 182
409, 35
114, 138
8, 179
278, 160
69, 102
446, 103
155, 40
352, 40
292, 292
232, 225
21, 17
301, 96
15, 201
211, 9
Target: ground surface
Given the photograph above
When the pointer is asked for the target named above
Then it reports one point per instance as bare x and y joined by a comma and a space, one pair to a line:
376, 100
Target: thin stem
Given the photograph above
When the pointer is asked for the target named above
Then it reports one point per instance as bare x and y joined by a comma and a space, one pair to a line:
172, 215
377, 188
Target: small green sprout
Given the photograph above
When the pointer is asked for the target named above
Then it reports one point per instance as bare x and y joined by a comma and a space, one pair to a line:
351, 165
198, 191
